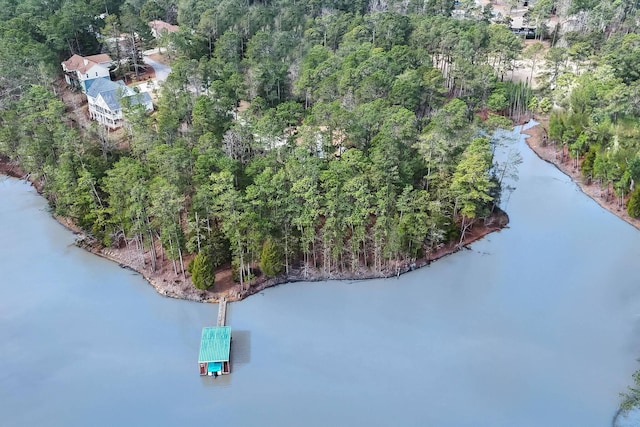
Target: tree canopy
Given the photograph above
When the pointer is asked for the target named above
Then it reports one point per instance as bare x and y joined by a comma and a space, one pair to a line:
357, 143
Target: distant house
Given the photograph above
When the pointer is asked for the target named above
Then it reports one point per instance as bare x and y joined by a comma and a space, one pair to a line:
80, 69
322, 138
160, 27
104, 98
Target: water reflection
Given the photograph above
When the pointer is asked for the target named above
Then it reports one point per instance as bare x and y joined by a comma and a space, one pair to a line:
240, 348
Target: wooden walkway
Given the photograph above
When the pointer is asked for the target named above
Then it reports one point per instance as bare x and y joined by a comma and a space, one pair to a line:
222, 311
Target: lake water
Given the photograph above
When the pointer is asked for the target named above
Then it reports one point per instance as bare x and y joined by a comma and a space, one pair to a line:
537, 325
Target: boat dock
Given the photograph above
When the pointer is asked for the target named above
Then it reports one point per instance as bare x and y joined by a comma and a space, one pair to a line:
215, 345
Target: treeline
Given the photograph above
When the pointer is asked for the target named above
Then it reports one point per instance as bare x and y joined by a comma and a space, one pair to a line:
360, 144
593, 81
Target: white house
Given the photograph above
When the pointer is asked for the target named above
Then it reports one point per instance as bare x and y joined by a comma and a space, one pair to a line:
80, 69
104, 98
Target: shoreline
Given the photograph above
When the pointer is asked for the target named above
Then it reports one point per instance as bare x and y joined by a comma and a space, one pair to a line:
179, 289
554, 156
11, 169
168, 284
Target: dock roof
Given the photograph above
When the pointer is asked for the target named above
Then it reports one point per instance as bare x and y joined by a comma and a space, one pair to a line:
215, 344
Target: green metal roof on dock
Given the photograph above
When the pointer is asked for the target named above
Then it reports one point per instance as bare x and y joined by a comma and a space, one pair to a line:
215, 344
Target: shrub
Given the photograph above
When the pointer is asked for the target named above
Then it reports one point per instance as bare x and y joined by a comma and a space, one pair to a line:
545, 105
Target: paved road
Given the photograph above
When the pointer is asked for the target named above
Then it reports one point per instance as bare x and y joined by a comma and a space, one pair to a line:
162, 71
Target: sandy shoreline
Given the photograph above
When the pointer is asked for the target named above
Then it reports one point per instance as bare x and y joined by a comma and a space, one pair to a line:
168, 284
553, 155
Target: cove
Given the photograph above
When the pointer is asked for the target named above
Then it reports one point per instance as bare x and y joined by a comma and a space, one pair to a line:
536, 325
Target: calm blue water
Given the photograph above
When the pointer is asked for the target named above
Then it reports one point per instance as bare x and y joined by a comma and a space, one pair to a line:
537, 325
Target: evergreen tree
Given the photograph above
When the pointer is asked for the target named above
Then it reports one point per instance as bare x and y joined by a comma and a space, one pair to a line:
271, 259
633, 206
202, 271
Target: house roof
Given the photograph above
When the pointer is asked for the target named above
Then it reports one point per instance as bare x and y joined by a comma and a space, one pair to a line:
140, 98
158, 26
108, 90
111, 92
84, 63
101, 58
111, 99
102, 85
215, 344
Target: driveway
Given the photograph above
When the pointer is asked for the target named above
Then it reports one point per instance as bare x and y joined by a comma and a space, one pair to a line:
162, 71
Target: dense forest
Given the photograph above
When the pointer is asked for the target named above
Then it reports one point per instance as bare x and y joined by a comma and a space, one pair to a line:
593, 81
361, 143
329, 135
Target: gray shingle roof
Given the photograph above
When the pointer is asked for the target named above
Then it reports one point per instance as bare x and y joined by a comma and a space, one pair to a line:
140, 98
111, 98
111, 92
103, 84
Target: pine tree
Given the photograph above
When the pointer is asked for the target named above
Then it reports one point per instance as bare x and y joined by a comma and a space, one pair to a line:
633, 206
270, 259
202, 272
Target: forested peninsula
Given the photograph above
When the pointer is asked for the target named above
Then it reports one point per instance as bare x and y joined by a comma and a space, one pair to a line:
294, 139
